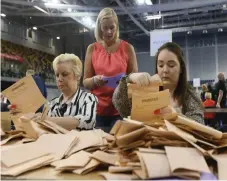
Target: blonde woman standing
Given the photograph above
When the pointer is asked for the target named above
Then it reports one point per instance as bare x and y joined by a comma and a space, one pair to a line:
108, 56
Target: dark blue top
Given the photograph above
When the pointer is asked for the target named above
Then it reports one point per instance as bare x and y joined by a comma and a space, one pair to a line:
41, 84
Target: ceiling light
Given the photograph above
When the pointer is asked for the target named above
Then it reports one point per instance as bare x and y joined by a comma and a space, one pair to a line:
189, 32
3, 15
30, 17
93, 25
87, 20
58, 38
148, 2
69, 10
150, 17
140, 2
224, 6
34, 28
55, 1
42, 10
220, 30
204, 31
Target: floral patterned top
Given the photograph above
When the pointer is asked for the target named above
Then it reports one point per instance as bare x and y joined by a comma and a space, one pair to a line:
192, 107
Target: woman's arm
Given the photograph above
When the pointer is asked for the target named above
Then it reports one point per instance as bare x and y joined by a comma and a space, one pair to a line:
132, 61
87, 113
85, 119
193, 107
88, 69
120, 99
67, 122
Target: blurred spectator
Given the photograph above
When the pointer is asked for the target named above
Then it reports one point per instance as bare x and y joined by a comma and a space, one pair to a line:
204, 90
212, 91
209, 103
221, 91
40, 83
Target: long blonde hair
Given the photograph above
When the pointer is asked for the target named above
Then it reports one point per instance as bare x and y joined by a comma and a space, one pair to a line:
105, 13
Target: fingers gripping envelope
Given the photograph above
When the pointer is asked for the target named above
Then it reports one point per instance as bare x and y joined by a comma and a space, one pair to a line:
146, 101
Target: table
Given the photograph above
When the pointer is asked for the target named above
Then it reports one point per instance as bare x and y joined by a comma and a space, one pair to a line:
48, 173
216, 110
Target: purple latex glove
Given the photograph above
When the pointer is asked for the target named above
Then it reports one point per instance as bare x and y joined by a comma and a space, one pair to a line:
207, 176
113, 81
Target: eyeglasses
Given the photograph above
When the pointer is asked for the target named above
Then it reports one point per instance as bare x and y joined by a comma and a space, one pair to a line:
63, 109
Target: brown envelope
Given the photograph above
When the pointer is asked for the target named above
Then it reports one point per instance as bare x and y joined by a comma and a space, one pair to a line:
114, 176
127, 127
2, 132
143, 174
136, 135
21, 153
22, 94
47, 126
86, 139
159, 133
5, 121
133, 88
140, 174
79, 159
177, 130
183, 134
151, 150
199, 127
105, 157
132, 145
144, 105
26, 166
186, 174
50, 143
116, 169
12, 137
115, 127
27, 140
91, 165
181, 158
31, 128
133, 164
56, 126
224, 135
156, 164
222, 165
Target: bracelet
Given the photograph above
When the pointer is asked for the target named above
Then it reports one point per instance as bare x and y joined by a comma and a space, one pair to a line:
93, 80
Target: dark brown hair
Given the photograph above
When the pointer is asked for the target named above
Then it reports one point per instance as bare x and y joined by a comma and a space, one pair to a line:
182, 85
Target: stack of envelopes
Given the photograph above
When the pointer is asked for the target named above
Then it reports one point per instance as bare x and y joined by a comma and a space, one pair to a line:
154, 142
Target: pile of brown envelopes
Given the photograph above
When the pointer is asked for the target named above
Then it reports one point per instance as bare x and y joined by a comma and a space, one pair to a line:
150, 144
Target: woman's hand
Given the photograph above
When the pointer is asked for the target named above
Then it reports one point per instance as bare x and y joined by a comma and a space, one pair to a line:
144, 79
98, 81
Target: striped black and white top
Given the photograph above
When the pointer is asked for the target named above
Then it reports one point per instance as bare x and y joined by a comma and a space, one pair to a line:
82, 106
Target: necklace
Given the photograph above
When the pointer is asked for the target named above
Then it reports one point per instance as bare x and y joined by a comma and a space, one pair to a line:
108, 48
64, 102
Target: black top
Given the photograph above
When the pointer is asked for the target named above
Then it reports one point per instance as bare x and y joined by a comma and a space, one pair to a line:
221, 86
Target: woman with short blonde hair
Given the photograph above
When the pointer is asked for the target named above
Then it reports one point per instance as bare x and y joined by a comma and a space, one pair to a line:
75, 61
74, 108
108, 56
208, 95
